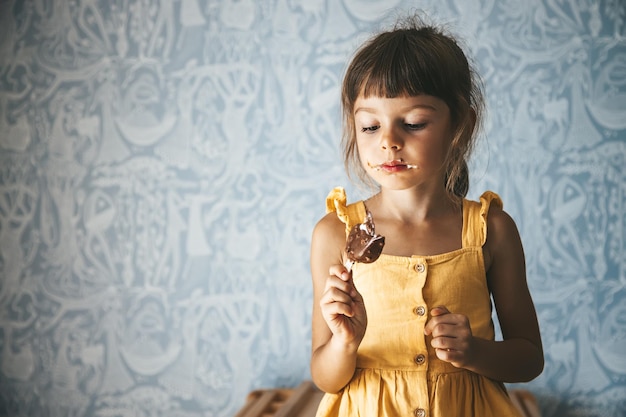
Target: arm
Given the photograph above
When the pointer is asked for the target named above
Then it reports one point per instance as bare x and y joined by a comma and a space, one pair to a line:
339, 318
519, 357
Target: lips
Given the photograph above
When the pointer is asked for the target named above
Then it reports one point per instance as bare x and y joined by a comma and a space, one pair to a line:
393, 166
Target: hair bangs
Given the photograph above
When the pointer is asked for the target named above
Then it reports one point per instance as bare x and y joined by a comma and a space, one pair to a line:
401, 68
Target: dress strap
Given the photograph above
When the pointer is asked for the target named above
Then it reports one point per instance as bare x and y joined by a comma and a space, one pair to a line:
475, 218
349, 214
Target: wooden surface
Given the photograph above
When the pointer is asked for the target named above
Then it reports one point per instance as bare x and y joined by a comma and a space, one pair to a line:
299, 402
525, 402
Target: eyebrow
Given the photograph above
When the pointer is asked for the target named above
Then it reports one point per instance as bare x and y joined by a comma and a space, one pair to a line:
417, 106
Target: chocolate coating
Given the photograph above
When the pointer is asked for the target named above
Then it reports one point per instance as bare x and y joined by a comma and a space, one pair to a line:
363, 244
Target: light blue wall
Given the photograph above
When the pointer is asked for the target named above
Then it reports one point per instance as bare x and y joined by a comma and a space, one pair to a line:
162, 164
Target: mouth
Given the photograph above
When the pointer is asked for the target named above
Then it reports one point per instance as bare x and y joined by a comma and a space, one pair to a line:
392, 166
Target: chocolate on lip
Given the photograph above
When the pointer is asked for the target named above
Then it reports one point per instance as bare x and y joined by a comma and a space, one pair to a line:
363, 244
391, 164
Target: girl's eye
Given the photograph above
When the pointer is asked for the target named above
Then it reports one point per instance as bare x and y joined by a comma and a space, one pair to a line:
415, 126
369, 128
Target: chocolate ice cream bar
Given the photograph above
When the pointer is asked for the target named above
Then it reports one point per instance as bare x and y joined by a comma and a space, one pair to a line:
363, 244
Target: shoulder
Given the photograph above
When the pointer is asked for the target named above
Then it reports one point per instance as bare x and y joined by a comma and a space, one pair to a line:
500, 236
329, 234
329, 229
329, 237
503, 239
500, 224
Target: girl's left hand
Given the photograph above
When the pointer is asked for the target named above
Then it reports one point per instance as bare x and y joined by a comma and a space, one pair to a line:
451, 336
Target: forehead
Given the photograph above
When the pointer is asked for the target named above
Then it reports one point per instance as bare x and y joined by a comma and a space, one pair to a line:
377, 104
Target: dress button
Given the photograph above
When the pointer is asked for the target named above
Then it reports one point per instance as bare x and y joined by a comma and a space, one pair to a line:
420, 268
420, 311
419, 412
420, 359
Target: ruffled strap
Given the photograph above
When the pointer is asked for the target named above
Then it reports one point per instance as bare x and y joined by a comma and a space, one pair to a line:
475, 218
349, 214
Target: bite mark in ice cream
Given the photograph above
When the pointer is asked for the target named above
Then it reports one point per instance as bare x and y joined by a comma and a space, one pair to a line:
363, 244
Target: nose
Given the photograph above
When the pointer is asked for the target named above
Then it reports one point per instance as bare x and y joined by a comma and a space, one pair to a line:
389, 140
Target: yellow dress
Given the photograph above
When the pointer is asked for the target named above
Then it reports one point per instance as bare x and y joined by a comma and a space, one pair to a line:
398, 373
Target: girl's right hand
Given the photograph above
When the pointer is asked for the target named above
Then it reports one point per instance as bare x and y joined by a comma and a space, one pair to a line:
343, 308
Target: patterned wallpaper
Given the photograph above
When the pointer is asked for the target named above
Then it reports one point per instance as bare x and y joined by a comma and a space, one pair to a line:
163, 162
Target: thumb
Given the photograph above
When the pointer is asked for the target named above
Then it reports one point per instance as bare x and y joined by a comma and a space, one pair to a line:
354, 293
434, 312
439, 311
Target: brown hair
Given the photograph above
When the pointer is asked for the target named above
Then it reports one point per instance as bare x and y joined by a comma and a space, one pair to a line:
412, 59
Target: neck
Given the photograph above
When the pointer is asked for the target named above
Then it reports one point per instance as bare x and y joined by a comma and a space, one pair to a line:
411, 206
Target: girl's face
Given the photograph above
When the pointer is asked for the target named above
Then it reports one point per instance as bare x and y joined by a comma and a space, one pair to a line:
403, 141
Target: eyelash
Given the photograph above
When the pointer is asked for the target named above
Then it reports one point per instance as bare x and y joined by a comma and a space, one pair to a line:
415, 126
410, 126
369, 128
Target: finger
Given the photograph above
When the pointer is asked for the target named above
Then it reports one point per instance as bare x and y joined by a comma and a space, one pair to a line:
335, 295
335, 302
443, 343
447, 355
441, 317
333, 309
336, 309
442, 330
450, 325
435, 320
339, 271
338, 283
355, 294
343, 281
439, 311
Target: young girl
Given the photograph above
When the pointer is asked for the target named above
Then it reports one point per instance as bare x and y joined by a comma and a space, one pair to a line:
411, 333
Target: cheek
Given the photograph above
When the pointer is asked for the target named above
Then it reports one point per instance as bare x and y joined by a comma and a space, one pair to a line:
365, 156
361, 147
362, 155
430, 155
